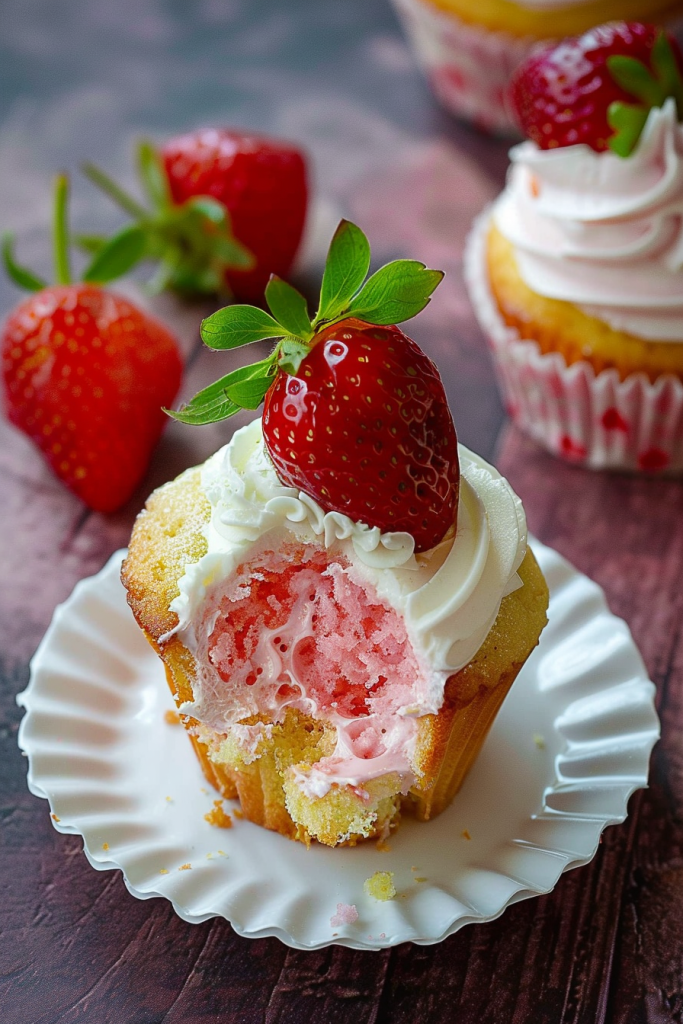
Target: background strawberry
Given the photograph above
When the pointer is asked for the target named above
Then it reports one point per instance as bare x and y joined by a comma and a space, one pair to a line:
583, 90
227, 210
372, 433
85, 375
261, 182
355, 413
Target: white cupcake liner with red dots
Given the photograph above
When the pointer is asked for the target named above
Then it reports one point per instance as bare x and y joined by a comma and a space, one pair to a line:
469, 68
594, 420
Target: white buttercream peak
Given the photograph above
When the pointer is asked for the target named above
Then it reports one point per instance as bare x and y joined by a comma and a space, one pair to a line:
602, 231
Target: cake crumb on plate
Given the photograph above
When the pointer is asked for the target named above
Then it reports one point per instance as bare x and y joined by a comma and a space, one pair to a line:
380, 885
346, 914
217, 816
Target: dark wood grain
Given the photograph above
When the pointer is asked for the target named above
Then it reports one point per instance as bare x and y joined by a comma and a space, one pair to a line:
607, 944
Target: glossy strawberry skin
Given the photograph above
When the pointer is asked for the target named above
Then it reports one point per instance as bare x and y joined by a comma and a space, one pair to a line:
561, 95
261, 181
86, 374
364, 428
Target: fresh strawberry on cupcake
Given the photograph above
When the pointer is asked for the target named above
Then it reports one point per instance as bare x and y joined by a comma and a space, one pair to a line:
576, 272
342, 595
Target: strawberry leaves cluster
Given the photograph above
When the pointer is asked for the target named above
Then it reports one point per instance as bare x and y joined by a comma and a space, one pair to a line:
108, 264
192, 242
394, 293
650, 86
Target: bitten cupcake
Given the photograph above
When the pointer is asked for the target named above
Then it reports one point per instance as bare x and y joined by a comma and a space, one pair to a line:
576, 272
470, 49
342, 596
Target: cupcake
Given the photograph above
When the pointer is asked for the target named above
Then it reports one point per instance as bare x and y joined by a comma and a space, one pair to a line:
342, 596
576, 272
470, 50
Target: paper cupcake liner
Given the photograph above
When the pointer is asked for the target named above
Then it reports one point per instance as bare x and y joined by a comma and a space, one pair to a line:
594, 420
468, 67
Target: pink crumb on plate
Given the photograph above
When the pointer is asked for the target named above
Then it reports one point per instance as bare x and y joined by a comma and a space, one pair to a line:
346, 914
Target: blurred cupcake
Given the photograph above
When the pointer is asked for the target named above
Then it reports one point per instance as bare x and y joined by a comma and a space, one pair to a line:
470, 49
576, 272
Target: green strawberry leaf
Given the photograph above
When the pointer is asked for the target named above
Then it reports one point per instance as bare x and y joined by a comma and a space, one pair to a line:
117, 256
106, 184
90, 243
249, 394
225, 397
633, 77
209, 208
235, 326
21, 276
153, 175
627, 121
289, 308
292, 352
666, 68
396, 292
348, 261
232, 253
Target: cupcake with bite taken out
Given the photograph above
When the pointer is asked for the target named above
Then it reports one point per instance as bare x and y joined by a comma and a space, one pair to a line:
343, 595
470, 49
576, 272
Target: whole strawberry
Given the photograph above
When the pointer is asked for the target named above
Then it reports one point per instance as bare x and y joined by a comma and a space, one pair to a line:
262, 184
227, 210
355, 413
599, 88
86, 374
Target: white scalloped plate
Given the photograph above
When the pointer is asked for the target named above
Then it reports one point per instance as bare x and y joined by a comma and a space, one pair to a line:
571, 743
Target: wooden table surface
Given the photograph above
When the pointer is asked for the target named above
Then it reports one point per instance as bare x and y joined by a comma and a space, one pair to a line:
82, 80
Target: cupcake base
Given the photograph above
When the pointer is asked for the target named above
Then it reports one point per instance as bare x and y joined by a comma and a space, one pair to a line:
592, 419
265, 769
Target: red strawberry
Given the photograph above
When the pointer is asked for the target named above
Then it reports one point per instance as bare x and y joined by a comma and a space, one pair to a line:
597, 89
262, 182
364, 426
86, 374
355, 413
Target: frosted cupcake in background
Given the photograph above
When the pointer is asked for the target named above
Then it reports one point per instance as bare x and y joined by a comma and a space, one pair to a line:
576, 271
470, 49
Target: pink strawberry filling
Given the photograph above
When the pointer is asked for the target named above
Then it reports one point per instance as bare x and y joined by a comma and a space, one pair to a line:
297, 628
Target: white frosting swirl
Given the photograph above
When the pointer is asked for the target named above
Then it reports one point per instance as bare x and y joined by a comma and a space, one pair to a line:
601, 231
449, 597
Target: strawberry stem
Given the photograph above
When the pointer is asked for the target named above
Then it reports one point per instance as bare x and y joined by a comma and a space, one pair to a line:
114, 191
61, 230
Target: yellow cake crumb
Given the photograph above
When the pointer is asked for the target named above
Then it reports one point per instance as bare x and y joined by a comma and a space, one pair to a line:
380, 885
105, 846
539, 741
163, 871
169, 799
185, 867
465, 834
421, 879
172, 718
238, 813
55, 818
217, 816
